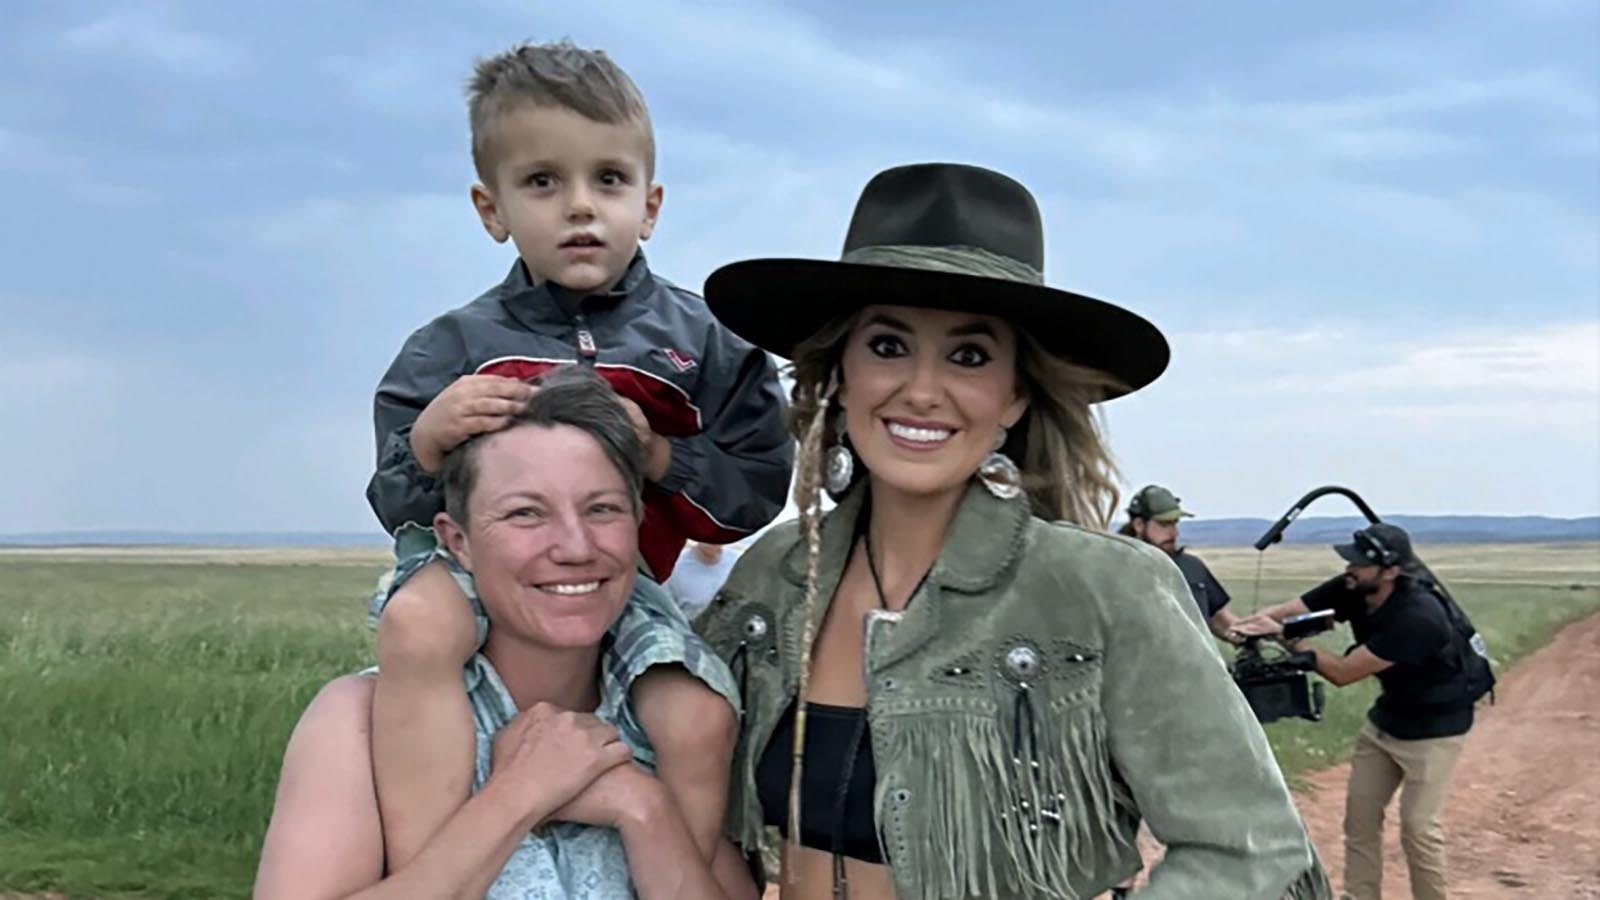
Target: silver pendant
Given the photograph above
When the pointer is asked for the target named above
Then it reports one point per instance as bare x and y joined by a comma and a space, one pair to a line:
1001, 476
840, 466
755, 628
1023, 662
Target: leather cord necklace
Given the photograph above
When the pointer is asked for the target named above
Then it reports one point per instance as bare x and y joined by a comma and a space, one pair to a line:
841, 884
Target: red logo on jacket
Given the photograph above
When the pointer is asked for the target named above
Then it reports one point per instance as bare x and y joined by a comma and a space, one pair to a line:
679, 361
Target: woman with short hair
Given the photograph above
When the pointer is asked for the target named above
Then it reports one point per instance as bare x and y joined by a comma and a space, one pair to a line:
545, 516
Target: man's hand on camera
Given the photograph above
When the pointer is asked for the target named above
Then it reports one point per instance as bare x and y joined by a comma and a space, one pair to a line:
1258, 625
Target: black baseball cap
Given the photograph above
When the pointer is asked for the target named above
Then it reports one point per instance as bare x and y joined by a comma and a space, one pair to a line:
1378, 544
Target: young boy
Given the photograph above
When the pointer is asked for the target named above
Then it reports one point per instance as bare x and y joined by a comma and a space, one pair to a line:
565, 157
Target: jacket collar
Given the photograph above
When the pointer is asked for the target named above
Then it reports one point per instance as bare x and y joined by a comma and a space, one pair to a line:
546, 303
981, 550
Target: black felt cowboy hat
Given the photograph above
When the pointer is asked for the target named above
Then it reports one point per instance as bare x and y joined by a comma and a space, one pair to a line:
940, 236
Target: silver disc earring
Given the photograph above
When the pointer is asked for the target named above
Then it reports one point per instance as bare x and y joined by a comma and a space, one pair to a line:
999, 474
840, 466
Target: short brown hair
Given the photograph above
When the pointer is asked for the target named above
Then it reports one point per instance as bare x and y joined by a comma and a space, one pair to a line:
570, 395
561, 75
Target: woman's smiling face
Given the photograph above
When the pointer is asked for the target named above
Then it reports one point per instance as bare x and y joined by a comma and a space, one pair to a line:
925, 393
552, 538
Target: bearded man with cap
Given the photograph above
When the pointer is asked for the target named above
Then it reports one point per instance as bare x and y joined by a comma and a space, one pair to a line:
1153, 516
1416, 728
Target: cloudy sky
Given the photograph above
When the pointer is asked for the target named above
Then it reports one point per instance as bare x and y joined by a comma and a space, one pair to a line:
1371, 230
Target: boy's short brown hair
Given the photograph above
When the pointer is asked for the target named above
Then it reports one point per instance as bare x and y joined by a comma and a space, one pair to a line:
559, 74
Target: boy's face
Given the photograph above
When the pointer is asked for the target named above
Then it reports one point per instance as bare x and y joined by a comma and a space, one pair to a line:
573, 194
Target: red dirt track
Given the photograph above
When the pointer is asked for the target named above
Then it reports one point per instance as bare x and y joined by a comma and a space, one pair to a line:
1523, 818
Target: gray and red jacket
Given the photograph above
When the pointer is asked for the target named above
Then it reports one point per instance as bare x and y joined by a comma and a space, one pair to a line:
714, 396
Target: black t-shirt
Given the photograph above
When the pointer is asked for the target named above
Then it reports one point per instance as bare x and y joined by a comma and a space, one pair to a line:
1208, 592
1410, 630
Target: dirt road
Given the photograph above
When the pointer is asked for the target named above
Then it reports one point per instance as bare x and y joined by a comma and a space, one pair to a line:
1523, 818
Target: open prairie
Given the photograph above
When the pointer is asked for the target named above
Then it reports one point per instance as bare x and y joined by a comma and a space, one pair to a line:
145, 694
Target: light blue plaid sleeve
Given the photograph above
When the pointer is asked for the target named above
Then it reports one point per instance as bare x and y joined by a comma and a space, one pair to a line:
415, 547
653, 631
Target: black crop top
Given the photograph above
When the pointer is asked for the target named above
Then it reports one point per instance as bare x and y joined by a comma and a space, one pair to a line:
836, 816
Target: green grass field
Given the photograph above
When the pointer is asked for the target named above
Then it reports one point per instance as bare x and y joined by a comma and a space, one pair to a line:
145, 697
145, 708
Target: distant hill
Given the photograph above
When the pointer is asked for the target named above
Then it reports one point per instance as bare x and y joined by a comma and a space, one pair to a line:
1196, 532
1423, 529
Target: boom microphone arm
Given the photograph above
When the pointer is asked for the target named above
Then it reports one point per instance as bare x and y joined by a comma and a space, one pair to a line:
1275, 533
1414, 567
1281, 687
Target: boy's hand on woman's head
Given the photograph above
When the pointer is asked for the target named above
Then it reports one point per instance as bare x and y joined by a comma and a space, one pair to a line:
472, 405
657, 450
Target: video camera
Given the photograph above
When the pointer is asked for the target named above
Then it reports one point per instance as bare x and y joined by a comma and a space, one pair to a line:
1280, 686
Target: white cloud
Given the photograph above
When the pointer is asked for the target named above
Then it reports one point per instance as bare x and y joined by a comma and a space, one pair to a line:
1557, 360
1551, 9
1539, 382
784, 57
1544, 90
31, 377
767, 41
1409, 215
1465, 421
384, 255
1213, 207
1574, 417
1397, 122
151, 35
61, 403
105, 442
1254, 345
1222, 149
399, 81
31, 156
1132, 133
307, 471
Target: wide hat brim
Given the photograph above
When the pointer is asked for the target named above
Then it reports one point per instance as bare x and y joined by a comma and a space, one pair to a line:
777, 303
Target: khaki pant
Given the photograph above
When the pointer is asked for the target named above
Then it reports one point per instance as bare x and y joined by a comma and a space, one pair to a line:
1421, 769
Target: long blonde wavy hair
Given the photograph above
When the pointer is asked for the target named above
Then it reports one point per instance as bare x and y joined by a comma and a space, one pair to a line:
1067, 470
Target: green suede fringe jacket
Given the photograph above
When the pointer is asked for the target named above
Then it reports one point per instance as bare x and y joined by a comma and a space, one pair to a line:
1046, 689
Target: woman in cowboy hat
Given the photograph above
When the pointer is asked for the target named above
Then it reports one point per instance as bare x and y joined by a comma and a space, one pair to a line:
956, 685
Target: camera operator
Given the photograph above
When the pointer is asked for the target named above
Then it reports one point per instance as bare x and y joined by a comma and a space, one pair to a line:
1153, 516
1416, 728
